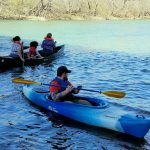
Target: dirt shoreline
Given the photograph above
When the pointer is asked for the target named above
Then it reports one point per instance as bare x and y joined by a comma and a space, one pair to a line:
21, 17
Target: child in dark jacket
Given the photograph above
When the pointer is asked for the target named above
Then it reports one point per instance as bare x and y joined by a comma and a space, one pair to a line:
48, 44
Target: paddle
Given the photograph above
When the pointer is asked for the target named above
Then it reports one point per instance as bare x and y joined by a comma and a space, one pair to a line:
116, 94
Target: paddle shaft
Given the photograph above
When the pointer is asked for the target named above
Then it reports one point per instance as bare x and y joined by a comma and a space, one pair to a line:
116, 94
107, 93
77, 88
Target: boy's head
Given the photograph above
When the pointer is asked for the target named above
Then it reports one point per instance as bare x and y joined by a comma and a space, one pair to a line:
49, 35
16, 38
34, 44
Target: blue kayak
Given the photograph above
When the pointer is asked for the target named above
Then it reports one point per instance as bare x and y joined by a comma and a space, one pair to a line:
101, 114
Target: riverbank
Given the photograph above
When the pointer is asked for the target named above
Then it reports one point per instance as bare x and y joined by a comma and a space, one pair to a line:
74, 10
69, 17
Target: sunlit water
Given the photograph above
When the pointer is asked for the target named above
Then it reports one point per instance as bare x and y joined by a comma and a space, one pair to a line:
103, 55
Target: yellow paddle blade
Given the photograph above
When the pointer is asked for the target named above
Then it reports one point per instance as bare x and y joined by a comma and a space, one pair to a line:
22, 81
116, 94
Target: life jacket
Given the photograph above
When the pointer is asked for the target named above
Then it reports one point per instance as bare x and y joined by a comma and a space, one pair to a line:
63, 84
48, 45
21, 44
14, 49
49, 39
32, 51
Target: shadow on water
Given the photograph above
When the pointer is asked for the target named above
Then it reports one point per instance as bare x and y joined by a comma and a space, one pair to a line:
14, 70
104, 133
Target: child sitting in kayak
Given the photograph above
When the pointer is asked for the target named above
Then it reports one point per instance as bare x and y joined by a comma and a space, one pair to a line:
33, 53
63, 89
48, 44
17, 48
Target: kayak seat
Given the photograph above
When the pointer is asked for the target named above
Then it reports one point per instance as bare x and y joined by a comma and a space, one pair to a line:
74, 101
94, 104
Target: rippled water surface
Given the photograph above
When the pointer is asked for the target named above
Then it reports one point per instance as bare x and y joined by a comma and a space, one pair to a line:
103, 55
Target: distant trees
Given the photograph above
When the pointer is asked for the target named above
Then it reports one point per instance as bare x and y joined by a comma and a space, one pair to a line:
64, 9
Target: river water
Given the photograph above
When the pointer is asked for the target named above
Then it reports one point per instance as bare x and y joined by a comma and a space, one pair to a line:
103, 55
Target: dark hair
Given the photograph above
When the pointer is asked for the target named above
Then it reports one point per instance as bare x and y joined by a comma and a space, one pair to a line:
34, 44
62, 69
49, 35
16, 38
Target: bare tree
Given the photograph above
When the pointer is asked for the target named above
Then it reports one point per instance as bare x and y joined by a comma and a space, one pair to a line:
89, 5
85, 8
42, 3
96, 7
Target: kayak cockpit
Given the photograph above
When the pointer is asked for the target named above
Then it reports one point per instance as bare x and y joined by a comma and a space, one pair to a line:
98, 103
